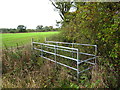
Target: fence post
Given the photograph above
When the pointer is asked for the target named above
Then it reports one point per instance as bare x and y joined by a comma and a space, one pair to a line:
55, 54
32, 44
77, 64
95, 54
45, 39
72, 50
17, 45
41, 50
56, 47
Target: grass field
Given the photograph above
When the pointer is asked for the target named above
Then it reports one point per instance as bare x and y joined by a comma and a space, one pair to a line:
12, 39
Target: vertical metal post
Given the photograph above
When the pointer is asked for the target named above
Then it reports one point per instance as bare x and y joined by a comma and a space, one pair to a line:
77, 65
41, 50
55, 55
56, 47
95, 60
95, 54
72, 50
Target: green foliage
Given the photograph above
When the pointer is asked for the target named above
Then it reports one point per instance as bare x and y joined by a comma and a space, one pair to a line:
93, 23
12, 31
8, 30
72, 85
40, 28
96, 23
21, 28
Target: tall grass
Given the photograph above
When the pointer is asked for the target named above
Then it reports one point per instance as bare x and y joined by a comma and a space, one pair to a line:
22, 68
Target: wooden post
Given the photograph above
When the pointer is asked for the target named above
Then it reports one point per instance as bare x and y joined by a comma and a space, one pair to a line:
17, 45
45, 39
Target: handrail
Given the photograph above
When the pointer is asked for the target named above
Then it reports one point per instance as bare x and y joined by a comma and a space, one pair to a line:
55, 46
71, 43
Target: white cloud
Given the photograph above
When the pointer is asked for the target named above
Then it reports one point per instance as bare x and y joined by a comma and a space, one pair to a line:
27, 12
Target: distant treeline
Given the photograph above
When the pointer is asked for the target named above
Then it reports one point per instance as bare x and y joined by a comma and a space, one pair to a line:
22, 28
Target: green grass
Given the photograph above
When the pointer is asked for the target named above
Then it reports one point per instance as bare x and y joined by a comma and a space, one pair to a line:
11, 39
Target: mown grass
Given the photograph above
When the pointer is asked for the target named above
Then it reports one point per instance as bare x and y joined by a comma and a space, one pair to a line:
11, 39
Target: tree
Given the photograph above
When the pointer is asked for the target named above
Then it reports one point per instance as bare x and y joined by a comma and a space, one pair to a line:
39, 27
96, 23
62, 7
21, 28
50, 28
98, 18
46, 28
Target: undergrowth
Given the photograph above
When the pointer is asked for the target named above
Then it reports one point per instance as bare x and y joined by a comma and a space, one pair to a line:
22, 68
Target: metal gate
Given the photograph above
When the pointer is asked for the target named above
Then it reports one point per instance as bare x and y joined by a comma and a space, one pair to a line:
57, 47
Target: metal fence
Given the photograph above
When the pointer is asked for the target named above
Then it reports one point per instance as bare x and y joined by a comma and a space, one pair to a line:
57, 47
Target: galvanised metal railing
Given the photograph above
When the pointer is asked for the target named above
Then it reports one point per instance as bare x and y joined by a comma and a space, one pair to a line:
67, 49
95, 49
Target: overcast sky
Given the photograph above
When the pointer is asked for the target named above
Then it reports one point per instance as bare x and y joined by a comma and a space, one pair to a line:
27, 12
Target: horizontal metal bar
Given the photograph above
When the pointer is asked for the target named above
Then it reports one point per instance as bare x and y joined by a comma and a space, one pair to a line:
91, 63
56, 54
43, 44
67, 47
57, 42
85, 70
87, 54
37, 43
48, 52
59, 63
37, 48
66, 57
44, 51
73, 51
86, 60
56, 46
60, 49
70, 43
84, 44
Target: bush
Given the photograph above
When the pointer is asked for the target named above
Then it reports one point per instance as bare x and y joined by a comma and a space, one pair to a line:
12, 31
96, 23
